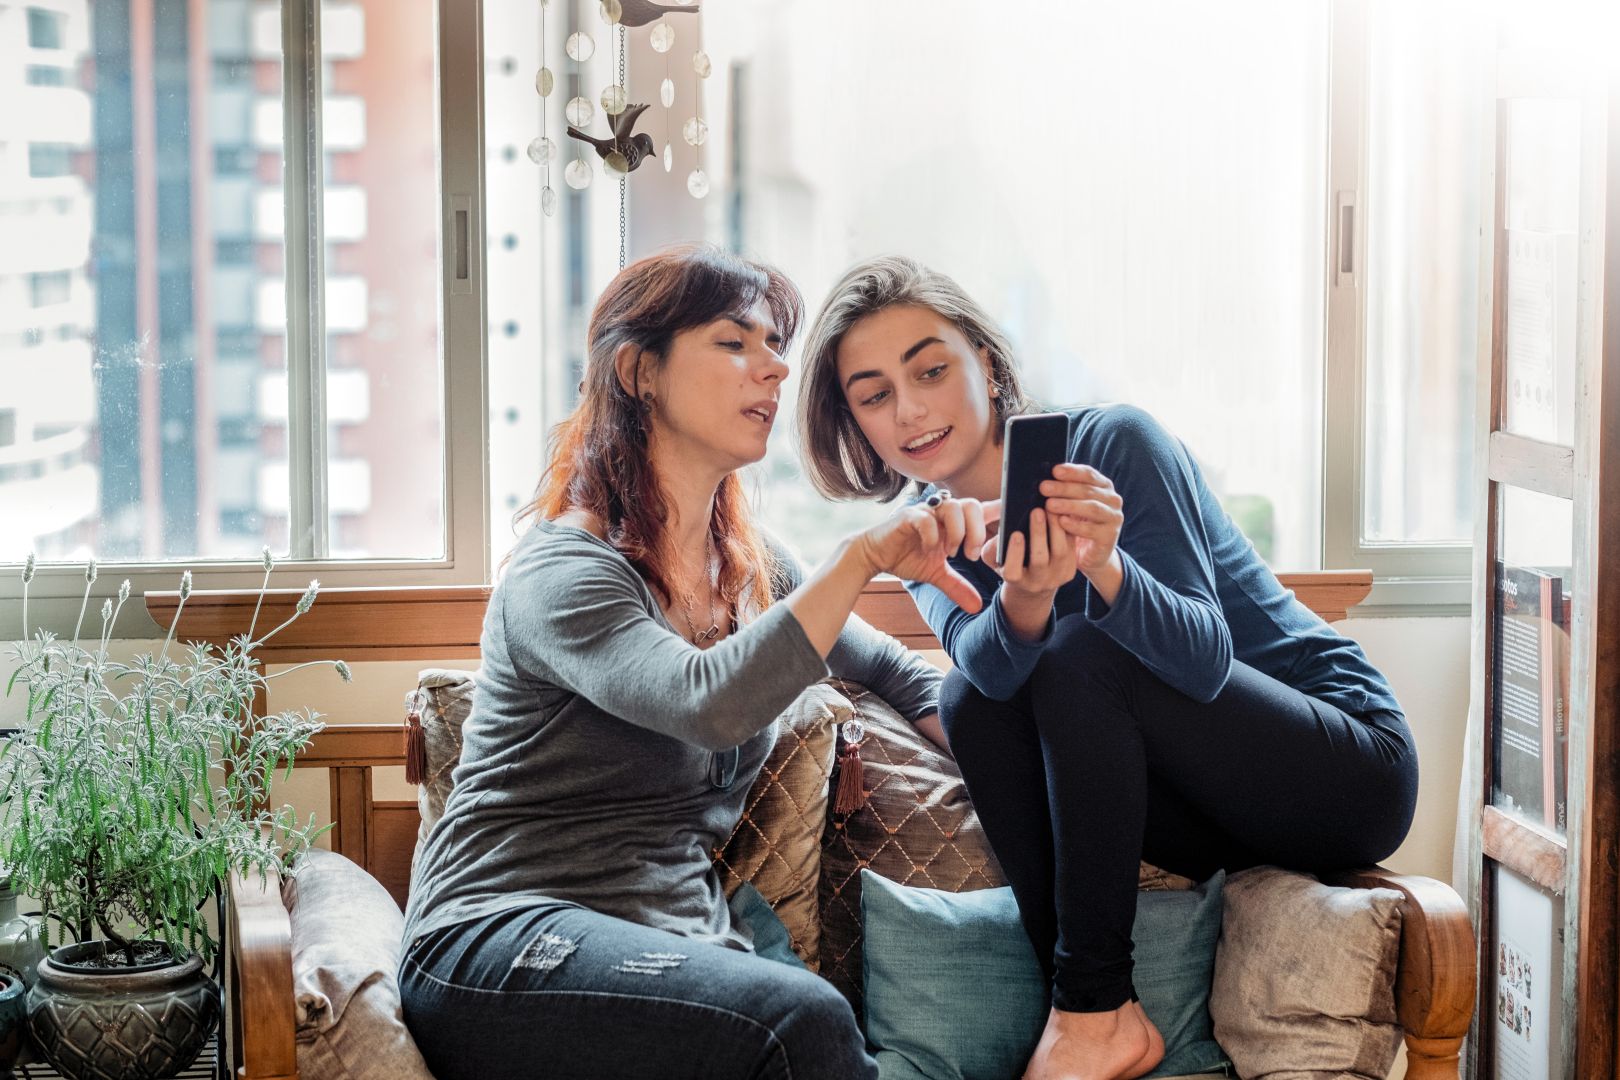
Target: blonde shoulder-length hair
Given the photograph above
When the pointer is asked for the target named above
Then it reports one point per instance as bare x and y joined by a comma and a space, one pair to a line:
839, 460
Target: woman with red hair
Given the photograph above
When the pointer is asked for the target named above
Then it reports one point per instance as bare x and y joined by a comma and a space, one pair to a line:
564, 915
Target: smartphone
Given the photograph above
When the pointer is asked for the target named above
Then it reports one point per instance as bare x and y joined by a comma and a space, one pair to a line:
1031, 448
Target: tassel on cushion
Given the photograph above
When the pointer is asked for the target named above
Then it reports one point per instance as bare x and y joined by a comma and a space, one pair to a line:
851, 794
415, 738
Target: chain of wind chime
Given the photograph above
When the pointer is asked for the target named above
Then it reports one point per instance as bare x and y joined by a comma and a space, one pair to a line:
624, 181
624, 149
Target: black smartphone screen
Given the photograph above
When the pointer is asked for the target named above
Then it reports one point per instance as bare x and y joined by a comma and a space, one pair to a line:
1030, 449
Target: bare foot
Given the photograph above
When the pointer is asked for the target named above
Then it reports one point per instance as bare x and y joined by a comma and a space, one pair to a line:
1155, 1051
1096, 1046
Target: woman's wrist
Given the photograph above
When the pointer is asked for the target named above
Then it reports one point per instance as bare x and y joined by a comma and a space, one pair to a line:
1027, 613
1108, 579
854, 555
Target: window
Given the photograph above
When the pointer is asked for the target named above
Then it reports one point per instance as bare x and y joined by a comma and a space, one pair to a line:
1143, 213
50, 288
45, 28
1403, 296
207, 415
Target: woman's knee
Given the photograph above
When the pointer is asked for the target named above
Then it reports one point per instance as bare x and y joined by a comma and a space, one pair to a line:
1080, 653
816, 1028
963, 711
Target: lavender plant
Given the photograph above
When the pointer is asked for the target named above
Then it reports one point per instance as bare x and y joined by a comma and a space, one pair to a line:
131, 790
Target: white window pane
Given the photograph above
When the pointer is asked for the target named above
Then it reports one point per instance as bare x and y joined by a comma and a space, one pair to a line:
141, 284
385, 482
128, 276
543, 273
1135, 191
1428, 98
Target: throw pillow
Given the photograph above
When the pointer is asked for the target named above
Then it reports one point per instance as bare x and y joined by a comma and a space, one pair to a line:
1305, 977
776, 844
449, 696
346, 933
771, 941
927, 952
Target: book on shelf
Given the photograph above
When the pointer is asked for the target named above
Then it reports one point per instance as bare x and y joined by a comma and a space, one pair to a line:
1529, 710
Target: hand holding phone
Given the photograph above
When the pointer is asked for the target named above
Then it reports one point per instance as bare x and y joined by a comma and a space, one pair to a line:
1031, 448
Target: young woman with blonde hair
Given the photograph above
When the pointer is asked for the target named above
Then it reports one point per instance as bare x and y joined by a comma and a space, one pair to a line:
1139, 687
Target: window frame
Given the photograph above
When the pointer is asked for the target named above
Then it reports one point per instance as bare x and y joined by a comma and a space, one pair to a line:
55, 594
1424, 579
1410, 578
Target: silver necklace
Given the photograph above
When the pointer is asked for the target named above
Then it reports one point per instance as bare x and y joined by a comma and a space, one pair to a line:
714, 616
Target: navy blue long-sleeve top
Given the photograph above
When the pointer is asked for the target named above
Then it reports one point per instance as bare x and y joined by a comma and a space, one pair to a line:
1195, 597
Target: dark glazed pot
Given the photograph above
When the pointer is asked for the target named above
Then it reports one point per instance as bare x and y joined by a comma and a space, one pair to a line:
143, 1023
13, 1022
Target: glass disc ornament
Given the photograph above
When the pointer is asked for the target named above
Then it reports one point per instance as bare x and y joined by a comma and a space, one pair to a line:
616, 164
698, 183
578, 174
581, 46
669, 157
701, 65
548, 201
544, 82
662, 38
695, 131
542, 150
612, 12
613, 100
580, 112
666, 92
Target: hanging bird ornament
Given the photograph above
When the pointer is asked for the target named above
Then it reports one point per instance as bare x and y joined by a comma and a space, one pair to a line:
624, 151
642, 12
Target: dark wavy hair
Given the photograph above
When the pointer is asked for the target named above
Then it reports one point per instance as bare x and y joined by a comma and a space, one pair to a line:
598, 459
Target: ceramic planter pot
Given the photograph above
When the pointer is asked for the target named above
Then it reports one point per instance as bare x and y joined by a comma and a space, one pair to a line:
13, 1021
141, 1023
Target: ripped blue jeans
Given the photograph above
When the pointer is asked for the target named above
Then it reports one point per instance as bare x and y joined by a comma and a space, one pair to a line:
561, 992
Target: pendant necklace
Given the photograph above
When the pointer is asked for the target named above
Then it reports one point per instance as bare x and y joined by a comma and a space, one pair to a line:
714, 617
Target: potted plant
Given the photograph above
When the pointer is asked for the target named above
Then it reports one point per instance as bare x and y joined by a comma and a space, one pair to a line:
129, 793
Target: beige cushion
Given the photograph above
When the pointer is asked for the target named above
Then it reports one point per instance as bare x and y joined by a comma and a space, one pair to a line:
777, 842
1305, 977
449, 700
346, 933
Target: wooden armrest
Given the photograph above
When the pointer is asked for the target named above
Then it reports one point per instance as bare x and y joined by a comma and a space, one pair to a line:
261, 962
1437, 978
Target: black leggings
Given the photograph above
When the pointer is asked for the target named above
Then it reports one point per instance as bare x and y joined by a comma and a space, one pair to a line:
1096, 764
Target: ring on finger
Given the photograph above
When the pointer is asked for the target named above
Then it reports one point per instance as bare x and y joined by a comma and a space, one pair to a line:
937, 497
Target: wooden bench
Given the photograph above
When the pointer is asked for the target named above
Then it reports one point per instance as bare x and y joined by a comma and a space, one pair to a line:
1435, 984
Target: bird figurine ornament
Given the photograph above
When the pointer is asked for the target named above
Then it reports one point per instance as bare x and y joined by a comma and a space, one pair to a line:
634, 149
642, 12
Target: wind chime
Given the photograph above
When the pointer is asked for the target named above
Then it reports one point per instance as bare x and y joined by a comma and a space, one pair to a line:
624, 149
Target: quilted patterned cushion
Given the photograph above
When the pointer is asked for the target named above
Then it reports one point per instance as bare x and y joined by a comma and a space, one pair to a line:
449, 699
776, 845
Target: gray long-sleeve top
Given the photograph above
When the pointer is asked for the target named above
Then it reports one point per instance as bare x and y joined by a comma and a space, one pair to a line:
606, 757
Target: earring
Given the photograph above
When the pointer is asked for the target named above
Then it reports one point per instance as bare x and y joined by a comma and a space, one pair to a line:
647, 400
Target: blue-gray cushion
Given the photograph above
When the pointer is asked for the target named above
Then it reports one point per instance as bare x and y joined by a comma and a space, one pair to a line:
771, 939
954, 992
